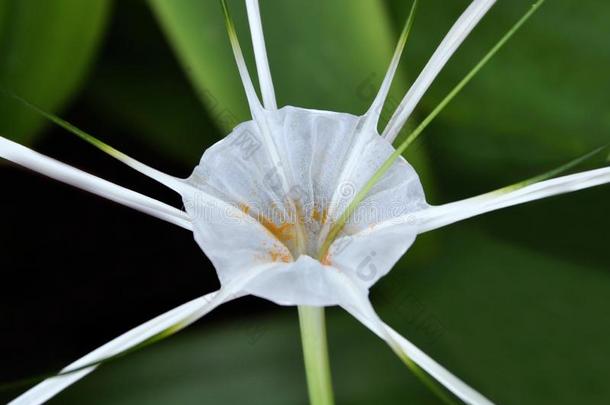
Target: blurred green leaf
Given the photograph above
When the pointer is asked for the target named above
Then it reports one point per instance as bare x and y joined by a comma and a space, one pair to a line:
158, 108
519, 325
477, 309
253, 361
139, 86
45, 50
336, 65
323, 54
544, 97
541, 102
196, 31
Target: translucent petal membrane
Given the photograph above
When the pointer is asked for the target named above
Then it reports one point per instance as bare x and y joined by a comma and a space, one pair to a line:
32, 160
325, 158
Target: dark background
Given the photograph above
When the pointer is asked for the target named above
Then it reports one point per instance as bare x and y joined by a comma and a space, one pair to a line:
78, 270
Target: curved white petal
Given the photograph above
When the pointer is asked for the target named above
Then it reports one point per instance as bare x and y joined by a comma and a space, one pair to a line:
262, 118
169, 181
356, 302
371, 253
456, 35
304, 282
260, 54
441, 374
374, 112
443, 215
253, 101
163, 325
257, 220
176, 318
35, 161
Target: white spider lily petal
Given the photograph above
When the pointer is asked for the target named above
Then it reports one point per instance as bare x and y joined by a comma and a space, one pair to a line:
459, 388
375, 110
35, 161
352, 297
454, 38
435, 217
253, 101
326, 159
304, 282
371, 253
168, 181
259, 115
159, 327
177, 318
260, 54
163, 178
443, 215
263, 201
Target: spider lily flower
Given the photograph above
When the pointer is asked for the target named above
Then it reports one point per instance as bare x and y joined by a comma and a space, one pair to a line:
292, 205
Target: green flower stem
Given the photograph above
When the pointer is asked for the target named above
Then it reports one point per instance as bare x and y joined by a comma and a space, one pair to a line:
315, 353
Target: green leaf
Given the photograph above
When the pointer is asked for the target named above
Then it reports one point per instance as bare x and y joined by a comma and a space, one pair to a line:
255, 361
542, 100
46, 48
196, 31
324, 55
157, 107
139, 87
507, 320
338, 65
521, 326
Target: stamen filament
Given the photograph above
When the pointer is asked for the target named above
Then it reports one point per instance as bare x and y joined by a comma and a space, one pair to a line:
260, 117
260, 54
454, 38
338, 226
552, 173
375, 110
172, 182
253, 100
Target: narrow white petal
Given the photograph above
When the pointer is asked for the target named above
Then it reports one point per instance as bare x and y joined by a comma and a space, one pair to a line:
163, 178
178, 317
253, 101
376, 108
439, 216
163, 325
356, 302
260, 54
172, 182
261, 116
456, 35
35, 161
441, 374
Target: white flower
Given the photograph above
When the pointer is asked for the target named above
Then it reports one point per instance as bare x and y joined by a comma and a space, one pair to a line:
267, 204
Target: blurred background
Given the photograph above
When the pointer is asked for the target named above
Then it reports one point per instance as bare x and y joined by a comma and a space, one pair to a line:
514, 302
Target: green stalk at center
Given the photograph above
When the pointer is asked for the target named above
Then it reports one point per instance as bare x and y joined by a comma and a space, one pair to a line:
315, 353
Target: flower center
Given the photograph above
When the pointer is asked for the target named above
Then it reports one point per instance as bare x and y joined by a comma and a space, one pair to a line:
285, 224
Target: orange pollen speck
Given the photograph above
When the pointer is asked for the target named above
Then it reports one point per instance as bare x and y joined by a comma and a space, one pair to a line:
320, 215
282, 232
280, 256
245, 208
326, 260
